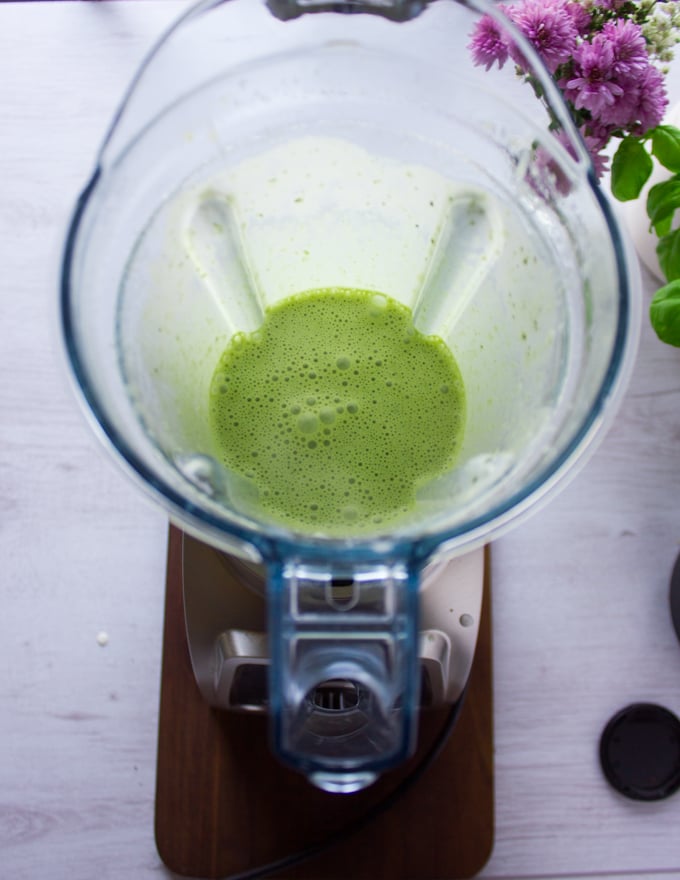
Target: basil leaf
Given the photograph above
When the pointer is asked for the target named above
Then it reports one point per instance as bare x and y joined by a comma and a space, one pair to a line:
664, 313
668, 252
662, 200
631, 167
664, 226
666, 146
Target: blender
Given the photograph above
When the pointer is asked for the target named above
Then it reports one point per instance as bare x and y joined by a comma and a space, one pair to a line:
265, 149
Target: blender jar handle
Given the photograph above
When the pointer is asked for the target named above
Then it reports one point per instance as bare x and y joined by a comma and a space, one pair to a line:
394, 10
344, 676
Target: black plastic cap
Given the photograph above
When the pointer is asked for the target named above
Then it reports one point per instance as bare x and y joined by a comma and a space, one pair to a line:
675, 597
640, 752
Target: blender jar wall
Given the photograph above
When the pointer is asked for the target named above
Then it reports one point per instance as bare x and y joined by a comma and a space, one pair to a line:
407, 94
520, 269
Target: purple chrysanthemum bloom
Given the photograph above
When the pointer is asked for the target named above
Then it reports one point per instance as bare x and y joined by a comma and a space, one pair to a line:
597, 135
623, 112
628, 45
593, 145
549, 27
599, 159
612, 5
651, 100
593, 86
642, 104
488, 45
581, 18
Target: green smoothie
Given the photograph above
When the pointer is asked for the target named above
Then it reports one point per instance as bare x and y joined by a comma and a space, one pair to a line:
337, 409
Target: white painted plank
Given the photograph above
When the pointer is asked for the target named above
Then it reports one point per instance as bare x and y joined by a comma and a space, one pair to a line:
581, 621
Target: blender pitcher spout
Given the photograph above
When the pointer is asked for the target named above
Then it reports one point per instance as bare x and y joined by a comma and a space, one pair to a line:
343, 687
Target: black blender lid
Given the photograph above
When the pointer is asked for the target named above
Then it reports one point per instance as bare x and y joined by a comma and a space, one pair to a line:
675, 596
640, 752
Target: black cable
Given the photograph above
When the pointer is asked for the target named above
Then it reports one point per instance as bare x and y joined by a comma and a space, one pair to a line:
371, 814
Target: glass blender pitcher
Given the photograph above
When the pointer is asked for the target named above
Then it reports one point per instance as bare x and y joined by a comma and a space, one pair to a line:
266, 149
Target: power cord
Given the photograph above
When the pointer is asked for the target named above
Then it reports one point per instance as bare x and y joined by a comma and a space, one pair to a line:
371, 814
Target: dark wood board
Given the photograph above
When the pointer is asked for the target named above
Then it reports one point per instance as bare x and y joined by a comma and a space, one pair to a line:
224, 804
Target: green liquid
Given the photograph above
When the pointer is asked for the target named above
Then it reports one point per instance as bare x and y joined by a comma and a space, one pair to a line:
337, 409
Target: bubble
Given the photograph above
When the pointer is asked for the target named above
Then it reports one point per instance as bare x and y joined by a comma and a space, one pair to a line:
203, 471
377, 305
308, 423
308, 433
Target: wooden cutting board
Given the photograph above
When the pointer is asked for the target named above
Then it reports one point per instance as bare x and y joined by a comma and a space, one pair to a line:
225, 805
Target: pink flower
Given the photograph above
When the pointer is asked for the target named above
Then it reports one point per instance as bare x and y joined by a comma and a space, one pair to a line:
549, 27
628, 45
641, 105
600, 160
488, 44
649, 106
581, 18
599, 57
593, 86
654, 100
597, 135
593, 145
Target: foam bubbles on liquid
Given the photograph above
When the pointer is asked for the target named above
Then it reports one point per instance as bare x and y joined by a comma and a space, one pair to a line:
308, 423
336, 409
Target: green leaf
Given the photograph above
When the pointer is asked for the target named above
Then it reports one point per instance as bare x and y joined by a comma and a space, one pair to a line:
664, 313
666, 146
664, 226
631, 168
668, 251
662, 200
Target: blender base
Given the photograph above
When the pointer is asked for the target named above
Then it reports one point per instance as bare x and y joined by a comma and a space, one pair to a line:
224, 804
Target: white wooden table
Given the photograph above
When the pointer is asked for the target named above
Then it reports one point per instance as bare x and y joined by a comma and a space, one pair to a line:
580, 606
